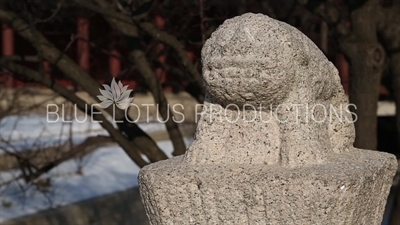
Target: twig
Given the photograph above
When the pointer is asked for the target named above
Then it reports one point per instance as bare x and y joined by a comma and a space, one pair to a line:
202, 30
59, 6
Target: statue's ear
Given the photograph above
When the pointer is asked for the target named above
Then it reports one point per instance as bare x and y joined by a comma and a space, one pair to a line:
300, 47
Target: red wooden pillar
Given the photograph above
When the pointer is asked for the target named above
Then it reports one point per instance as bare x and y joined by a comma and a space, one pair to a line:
83, 43
114, 63
343, 66
192, 58
161, 73
8, 50
47, 68
115, 67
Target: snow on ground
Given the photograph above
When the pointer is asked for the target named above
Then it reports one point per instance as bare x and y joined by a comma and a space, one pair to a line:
105, 171
35, 130
386, 108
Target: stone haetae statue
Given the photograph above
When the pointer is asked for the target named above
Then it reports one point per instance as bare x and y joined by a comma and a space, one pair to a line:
273, 67
274, 144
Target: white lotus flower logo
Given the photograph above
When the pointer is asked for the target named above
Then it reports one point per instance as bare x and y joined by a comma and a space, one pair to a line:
116, 94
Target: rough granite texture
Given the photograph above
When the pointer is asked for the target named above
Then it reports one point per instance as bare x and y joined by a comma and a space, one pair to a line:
274, 142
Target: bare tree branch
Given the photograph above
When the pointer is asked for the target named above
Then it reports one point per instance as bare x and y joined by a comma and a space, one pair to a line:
105, 11
50, 52
126, 26
129, 148
59, 6
138, 57
76, 73
171, 41
43, 156
25, 58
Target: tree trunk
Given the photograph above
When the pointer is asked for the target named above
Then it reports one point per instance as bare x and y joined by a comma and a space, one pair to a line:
139, 58
390, 33
395, 69
364, 94
366, 56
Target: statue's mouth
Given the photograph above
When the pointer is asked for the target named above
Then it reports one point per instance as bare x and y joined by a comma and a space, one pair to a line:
241, 62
